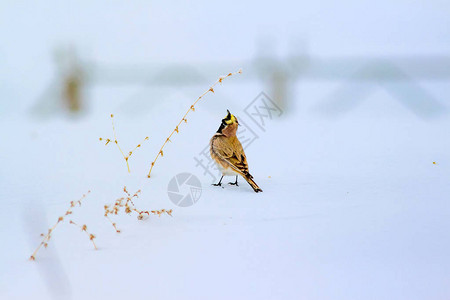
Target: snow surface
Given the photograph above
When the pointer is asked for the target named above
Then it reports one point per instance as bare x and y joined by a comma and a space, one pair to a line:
353, 206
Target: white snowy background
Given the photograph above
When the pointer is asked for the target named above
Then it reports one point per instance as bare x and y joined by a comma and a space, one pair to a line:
353, 206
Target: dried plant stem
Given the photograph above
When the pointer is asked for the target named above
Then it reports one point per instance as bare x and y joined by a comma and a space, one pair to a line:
133, 206
192, 107
125, 157
117, 143
84, 229
128, 204
44, 241
46, 237
113, 224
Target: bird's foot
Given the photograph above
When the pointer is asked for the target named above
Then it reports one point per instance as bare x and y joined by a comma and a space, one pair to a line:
233, 183
217, 184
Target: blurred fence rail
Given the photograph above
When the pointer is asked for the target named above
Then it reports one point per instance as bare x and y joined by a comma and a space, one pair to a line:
277, 74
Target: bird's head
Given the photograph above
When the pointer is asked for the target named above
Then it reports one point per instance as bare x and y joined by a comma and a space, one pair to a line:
229, 125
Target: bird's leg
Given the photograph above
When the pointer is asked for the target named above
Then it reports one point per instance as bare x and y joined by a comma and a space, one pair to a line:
234, 183
219, 183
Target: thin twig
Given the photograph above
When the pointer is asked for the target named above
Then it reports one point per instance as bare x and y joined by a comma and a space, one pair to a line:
128, 204
192, 107
46, 237
125, 157
84, 229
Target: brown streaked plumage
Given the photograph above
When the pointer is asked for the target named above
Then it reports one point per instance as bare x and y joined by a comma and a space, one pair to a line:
227, 152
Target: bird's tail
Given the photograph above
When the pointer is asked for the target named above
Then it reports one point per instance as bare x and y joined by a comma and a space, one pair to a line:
252, 183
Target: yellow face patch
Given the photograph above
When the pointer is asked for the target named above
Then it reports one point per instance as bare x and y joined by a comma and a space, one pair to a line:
230, 119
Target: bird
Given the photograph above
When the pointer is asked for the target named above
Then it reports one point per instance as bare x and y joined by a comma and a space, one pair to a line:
228, 154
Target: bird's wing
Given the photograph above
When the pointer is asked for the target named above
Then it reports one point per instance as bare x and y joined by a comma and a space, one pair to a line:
230, 149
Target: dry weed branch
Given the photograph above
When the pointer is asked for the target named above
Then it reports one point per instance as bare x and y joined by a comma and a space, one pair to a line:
183, 119
128, 205
84, 229
125, 157
46, 237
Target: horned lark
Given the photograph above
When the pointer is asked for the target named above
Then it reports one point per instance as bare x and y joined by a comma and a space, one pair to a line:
227, 152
